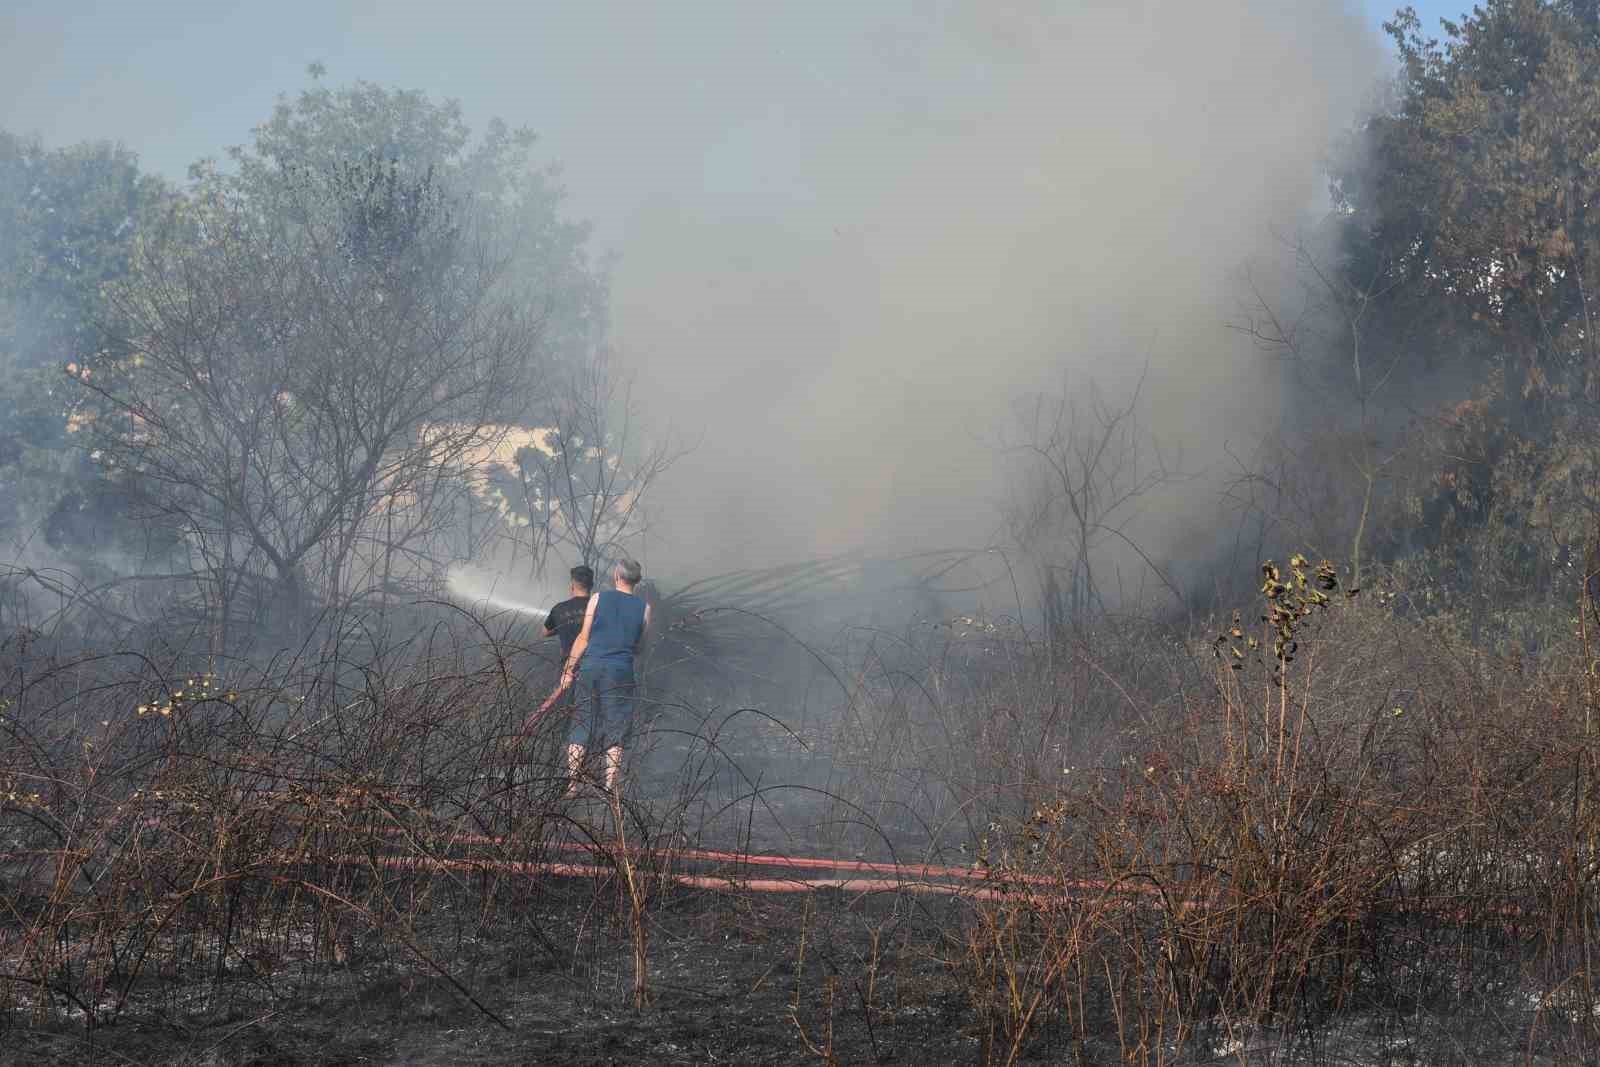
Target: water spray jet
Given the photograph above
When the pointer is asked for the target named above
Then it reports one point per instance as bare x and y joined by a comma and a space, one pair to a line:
480, 591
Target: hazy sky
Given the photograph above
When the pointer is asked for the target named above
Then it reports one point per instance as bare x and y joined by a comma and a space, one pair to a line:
851, 234
179, 79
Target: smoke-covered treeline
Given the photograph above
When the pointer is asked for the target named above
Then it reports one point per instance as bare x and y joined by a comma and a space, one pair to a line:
361, 350
1439, 424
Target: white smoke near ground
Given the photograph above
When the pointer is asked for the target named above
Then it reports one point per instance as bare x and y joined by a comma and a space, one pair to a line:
908, 225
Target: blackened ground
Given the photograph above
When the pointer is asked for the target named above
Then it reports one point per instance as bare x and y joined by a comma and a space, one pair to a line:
734, 979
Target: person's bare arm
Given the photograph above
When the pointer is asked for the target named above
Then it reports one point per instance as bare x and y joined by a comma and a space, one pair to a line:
644, 631
570, 670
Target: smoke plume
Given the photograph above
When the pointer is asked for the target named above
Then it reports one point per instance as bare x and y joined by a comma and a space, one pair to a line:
851, 236
902, 227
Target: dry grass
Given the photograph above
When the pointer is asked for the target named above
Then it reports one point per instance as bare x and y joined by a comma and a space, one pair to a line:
165, 835
1192, 854
1354, 824
1321, 816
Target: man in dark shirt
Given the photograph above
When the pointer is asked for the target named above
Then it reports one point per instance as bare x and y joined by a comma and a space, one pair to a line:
566, 618
565, 621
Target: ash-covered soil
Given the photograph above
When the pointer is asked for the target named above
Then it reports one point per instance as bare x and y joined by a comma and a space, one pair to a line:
733, 979
817, 978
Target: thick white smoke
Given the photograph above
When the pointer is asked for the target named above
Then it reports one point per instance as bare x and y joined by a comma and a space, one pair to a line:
936, 209
851, 234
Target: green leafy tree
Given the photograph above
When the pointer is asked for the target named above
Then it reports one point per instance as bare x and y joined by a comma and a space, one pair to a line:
548, 263
1473, 197
68, 222
1482, 187
303, 379
323, 344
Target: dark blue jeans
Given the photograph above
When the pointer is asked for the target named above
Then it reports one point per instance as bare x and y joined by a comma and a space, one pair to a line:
605, 705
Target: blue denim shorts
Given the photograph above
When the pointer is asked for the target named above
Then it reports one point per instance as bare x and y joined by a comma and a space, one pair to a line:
604, 715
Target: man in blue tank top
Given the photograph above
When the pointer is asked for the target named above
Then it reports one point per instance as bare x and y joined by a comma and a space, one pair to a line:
601, 665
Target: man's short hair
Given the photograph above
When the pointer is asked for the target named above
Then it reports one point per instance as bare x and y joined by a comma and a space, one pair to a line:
583, 576
631, 571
